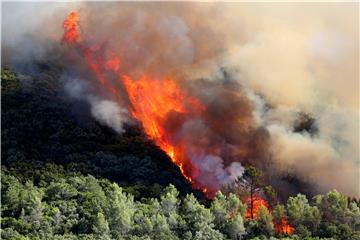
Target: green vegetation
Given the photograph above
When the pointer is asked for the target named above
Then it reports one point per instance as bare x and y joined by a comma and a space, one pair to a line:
83, 207
65, 176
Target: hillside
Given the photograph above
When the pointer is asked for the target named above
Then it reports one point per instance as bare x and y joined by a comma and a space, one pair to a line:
42, 129
65, 176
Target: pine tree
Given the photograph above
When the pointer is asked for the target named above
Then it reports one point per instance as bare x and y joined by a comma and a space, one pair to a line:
101, 227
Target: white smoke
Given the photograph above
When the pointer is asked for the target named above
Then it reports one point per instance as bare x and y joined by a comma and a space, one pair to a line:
109, 113
105, 111
313, 160
213, 172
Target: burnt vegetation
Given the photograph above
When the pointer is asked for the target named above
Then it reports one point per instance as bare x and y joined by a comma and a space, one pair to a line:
65, 176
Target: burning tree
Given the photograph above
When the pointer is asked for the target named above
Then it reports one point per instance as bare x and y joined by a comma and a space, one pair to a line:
251, 185
280, 221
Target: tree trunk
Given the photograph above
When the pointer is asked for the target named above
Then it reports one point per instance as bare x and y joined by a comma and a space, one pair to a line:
251, 203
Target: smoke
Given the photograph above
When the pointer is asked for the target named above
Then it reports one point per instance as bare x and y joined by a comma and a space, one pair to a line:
312, 159
107, 112
256, 68
213, 171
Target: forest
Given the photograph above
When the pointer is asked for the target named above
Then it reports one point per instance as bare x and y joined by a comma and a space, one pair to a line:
66, 176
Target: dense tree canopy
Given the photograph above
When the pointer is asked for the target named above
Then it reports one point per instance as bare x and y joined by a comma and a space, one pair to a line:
83, 207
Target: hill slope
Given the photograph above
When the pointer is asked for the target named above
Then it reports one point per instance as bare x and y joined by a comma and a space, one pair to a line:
42, 126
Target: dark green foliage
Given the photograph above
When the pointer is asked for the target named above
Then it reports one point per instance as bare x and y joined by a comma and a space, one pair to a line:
9, 81
41, 127
83, 207
340, 217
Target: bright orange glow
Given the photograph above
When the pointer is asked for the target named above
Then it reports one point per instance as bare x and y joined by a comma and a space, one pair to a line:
284, 227
71, 25
257, 202
152, 101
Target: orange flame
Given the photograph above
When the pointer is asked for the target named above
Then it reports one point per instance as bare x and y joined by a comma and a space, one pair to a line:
152, 99
71, 25
256, 202
281, 228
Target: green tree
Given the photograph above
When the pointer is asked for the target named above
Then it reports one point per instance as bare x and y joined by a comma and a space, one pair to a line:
354, 216
340, 218
270, 195
252, 182
101, 227
265, 221
228, 216
301, 214
219, 210
161, 228
143, 225
119, 212
169, 204
199, 220
278, 215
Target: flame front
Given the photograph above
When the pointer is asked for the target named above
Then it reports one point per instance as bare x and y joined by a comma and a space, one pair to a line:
152, 99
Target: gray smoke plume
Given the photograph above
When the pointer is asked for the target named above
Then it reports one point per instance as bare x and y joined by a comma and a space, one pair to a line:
107, 112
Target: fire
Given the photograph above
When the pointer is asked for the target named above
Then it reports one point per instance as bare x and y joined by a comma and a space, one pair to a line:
70, 25
283, 227
113, 64
152, 99
254, 205
256, 202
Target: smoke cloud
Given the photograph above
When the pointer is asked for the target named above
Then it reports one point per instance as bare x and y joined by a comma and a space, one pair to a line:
254, 67
105, 111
